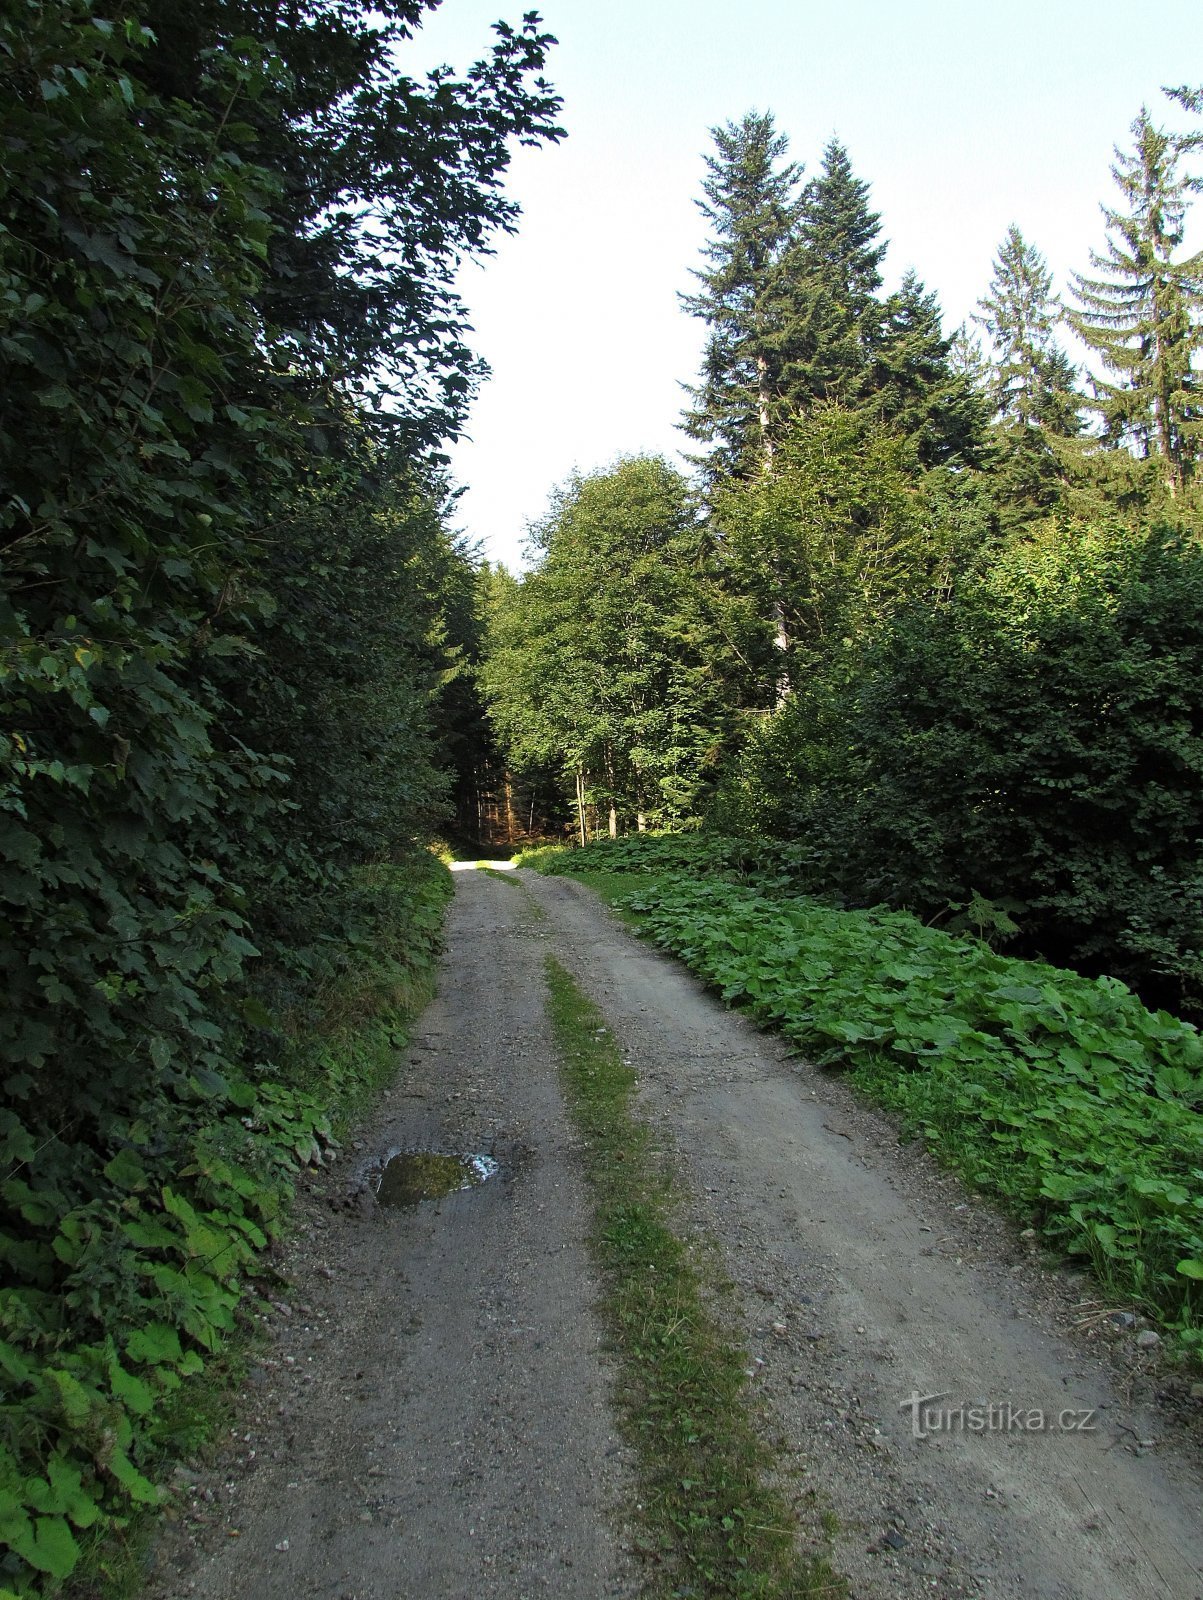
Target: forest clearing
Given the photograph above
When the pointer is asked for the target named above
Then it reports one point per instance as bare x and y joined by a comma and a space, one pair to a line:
370, 1227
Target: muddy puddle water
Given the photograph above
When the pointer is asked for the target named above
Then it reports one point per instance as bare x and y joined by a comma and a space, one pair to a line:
411, 1176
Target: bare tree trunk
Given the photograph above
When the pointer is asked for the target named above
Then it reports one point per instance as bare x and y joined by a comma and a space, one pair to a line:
1169, 451
509, 811
640, 816
580, 803
610, 782
780, 631
781, 640
762, 402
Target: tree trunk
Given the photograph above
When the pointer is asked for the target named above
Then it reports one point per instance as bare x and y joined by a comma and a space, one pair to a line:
780, 631
762, 405
781, 640
580, 802
610, 781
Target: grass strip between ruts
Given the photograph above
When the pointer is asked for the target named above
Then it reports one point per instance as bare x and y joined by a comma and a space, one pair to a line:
710, 1520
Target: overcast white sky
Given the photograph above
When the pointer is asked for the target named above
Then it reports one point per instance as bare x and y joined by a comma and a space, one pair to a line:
963, 116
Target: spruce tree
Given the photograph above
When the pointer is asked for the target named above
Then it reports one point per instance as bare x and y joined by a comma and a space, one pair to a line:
1032, 378
835, 270
912, 385
752, 204
1141, 312
968, 360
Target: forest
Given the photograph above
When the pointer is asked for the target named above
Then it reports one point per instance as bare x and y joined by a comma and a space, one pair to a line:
927, 609
924, 620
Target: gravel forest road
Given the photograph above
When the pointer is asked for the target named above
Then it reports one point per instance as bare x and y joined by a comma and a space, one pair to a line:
432, 1419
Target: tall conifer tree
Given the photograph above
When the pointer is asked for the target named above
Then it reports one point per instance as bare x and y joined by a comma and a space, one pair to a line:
752, 204
1143, 311
1032, 378
913, 386
834, 267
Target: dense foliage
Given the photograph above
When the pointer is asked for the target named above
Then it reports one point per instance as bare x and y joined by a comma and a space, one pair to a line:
1035, 740
230, 346
601, 663
1062, 1096
954, 651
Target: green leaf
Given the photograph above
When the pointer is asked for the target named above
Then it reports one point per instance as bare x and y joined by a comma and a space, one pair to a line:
156, 1345
127, 1171
15, 1364
138, 1488
49, 1546
136, 1395
79, 1404
62, 1492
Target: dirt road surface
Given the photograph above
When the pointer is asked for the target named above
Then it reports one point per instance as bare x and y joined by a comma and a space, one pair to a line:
432, 1421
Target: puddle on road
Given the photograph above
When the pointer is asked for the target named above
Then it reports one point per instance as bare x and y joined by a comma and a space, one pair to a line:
412, 1176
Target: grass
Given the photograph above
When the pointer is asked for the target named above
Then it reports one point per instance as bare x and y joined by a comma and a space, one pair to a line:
710, 1518
502, 877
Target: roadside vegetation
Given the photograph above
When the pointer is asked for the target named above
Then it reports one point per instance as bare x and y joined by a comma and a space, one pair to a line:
1063, 1097
924, 629
929, 613
234, 694
929, 758
710, 1522
155, 1278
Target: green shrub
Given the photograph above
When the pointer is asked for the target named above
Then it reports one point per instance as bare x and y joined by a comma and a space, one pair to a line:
1060, 1094
124, 1277
1036, 739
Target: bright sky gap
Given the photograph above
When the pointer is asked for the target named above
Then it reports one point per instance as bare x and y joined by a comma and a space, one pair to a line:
963, 116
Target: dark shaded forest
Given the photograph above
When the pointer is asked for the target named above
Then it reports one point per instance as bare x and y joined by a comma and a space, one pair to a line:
235, 691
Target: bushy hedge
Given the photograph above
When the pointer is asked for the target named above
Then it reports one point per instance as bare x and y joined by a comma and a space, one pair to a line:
1036, 739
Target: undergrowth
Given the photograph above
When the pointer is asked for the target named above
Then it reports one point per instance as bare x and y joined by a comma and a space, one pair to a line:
1060, 1095
710, 1520
111, 1309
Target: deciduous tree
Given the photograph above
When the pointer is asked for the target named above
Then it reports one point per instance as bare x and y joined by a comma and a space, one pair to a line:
602, 658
